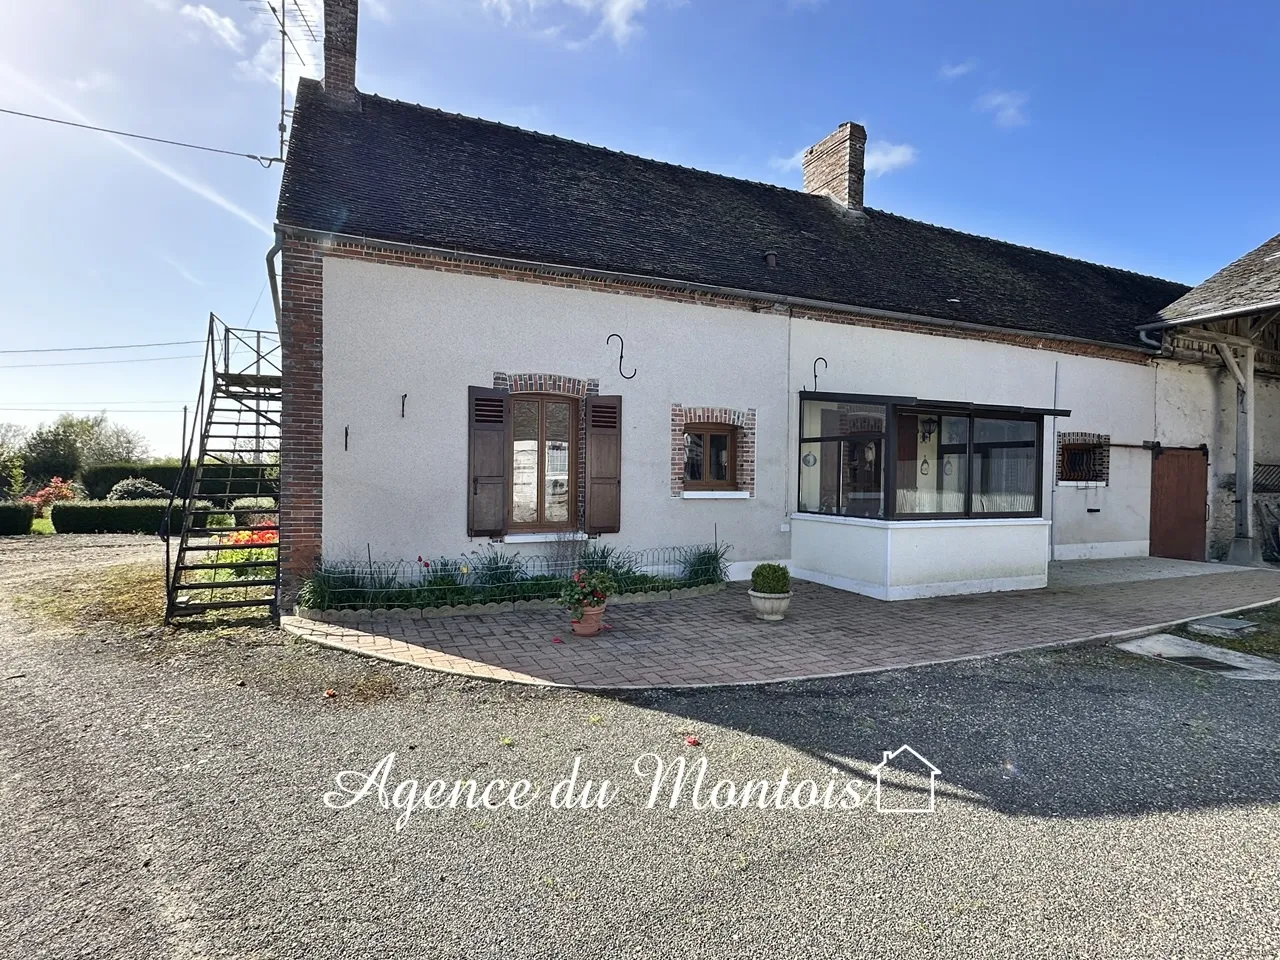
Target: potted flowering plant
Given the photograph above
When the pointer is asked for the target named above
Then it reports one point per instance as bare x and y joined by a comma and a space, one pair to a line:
585, 597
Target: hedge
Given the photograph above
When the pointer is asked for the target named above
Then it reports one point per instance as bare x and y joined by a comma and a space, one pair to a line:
99, 479
114, 516
15, 518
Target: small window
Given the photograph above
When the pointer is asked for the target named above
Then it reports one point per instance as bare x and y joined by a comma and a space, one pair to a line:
543, 462
710, 457
1084, 459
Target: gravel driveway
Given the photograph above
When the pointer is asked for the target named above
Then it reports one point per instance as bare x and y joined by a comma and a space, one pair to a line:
160, 796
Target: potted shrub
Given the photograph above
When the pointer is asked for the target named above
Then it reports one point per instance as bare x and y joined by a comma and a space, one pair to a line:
585, 596
770, 590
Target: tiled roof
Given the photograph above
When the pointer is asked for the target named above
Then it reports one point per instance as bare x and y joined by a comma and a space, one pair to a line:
405, 173
1251, 281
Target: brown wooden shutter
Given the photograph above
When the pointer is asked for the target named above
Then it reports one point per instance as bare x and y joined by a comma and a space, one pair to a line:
604, 464
489, 419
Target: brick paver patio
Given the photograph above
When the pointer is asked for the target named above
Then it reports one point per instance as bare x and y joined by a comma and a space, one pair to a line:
716, 640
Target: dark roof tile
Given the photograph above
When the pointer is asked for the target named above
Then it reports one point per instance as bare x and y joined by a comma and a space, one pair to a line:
410, 174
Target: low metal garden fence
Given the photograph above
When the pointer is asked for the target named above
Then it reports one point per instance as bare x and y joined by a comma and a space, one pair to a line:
496, 575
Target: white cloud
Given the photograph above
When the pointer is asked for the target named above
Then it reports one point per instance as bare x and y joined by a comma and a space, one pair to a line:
202, 190
181, 270
93, 80
617, 19
1006, 106
950, 71
223, 28
787, 164
881, 157
884, 157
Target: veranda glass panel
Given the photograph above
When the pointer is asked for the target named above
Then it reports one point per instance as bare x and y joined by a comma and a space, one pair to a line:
932, 453
843, 477
1005, 456
524, 462
556, 501
829, 418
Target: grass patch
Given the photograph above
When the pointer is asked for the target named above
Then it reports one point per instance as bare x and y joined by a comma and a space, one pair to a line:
130, 595
42, 526
1263, 642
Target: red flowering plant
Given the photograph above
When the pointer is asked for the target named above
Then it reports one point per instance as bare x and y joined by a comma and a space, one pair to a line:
42, 500
249, 549
587, 589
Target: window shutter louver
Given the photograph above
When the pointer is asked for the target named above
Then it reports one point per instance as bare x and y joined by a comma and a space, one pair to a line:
604, 464
489, 421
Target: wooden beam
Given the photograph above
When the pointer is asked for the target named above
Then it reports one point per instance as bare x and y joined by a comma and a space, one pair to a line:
1228, 357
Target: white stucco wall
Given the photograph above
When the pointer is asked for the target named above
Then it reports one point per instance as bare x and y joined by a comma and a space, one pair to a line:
903, 560
401, 485
1104, 396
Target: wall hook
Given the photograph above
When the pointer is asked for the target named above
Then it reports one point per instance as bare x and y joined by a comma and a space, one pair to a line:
403, 398
621, 349
815, 372
346, 438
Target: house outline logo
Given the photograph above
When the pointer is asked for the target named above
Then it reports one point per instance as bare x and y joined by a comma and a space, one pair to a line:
878, 771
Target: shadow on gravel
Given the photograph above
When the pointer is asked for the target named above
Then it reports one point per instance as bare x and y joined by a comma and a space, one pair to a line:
1078, 733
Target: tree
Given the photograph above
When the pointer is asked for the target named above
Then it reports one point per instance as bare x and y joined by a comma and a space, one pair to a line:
51, 452
12, 437
98, 440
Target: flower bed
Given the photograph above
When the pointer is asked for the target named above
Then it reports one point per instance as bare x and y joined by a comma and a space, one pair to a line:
493, 580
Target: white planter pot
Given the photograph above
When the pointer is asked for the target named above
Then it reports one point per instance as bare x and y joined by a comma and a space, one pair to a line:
769, 606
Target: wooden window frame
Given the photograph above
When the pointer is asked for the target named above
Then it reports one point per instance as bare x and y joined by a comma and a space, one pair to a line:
575, 414
706, 431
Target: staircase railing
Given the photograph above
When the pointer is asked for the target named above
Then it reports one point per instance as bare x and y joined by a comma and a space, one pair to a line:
229, 351
195, 440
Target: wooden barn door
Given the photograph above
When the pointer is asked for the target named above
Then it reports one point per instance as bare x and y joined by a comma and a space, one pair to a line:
1179, 493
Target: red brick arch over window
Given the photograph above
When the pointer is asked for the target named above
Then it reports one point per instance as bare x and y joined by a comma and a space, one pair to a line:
744, 420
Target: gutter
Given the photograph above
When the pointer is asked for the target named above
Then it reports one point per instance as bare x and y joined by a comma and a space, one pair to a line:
687, 285
271, 275
1211, 317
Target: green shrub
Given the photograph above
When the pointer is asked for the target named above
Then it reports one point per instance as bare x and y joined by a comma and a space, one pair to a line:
245, 510
114, 516
771, 578
138, 488
704, 565
101, 477
497, 568
15, 518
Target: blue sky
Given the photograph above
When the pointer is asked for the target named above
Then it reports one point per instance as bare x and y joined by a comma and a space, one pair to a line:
1105, 131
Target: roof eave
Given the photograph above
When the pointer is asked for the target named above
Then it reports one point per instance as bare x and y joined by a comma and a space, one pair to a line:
1213, 316
500, 260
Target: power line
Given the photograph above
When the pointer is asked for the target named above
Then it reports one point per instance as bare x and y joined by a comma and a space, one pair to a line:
265, 161
83, 410
114, 346
93, 363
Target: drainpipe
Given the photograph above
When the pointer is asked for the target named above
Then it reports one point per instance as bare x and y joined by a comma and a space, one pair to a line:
1053, 476
272, 279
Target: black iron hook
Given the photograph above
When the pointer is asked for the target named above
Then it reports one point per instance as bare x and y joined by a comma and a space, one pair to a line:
346, 438
403, 398
621, 350
815, 372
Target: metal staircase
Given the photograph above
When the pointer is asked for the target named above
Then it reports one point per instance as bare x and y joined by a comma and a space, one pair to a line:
211, 565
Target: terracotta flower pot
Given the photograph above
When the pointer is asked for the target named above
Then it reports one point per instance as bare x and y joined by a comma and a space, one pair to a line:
589, 625
769, 606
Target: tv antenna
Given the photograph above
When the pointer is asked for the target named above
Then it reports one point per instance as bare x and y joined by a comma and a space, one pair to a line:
280, 17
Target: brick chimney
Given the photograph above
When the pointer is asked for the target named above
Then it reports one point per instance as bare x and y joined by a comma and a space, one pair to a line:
340, 17
833, 165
